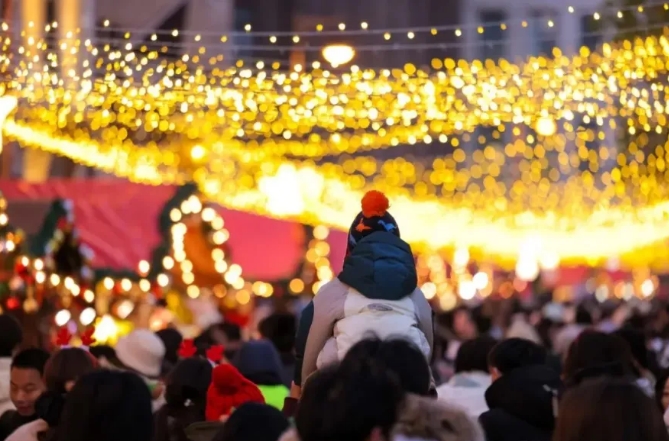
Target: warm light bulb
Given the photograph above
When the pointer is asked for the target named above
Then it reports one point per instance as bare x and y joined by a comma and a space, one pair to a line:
546, 126
338, 54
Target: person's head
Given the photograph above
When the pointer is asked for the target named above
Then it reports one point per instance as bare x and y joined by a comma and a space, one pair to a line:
187, 383
259, 362
280, 329
171, 339
473, 355
595, 354
26, 383
463, 324
227, 334
374, 217
514, 353
662, 390
608, 410
547, 329
141, 352
11, 335
400, 357
228, 390
243, 424
358, 402
637, 344
65, 367
107, 406
583, 316
103, 353
185, 399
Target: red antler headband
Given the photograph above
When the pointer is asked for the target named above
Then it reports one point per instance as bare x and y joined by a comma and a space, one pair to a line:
63, 338
187, 349
87, 339
215, 354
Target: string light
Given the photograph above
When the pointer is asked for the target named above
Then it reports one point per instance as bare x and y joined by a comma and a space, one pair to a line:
194, 207
561, 186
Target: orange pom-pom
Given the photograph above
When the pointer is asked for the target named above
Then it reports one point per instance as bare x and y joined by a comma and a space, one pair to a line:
374, 203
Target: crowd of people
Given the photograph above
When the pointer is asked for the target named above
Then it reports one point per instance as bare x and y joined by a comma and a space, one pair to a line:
367, 360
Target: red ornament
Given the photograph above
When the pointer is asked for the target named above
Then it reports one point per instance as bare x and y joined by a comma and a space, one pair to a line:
238, 319
157, 290
215, 353
13, 303
87, 338
62, 223
187, 349
63, 337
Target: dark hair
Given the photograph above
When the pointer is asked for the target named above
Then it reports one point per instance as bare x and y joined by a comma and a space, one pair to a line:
232, 332
67, 365
400, 357
596, 354
544, 328
107, 406
583, 316
103, 351
185, 399
608, 410
280, 329
32, 358
637, 344
243, 424
348, 402
172, 339
206, 339
659, 388
514, 353
11, 335
473, 354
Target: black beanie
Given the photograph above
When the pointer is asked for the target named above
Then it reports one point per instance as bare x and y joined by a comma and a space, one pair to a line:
253, 422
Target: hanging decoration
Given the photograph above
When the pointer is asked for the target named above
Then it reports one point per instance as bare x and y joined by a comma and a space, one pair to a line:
12, 261
316, 269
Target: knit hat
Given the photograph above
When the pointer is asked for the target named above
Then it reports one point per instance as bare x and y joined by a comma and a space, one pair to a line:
229, 390
373, 217
142, 351
258, 361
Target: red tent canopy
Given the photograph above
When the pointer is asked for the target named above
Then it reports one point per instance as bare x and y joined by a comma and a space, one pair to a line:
119, 221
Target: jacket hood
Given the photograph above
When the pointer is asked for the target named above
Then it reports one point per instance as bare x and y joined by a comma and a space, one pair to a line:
527, 394
204, 431
429, 419
259, 362
381, 267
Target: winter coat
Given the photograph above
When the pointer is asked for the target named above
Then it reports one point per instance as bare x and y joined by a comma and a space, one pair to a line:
375, 294
466, 390
522, 405
5, 400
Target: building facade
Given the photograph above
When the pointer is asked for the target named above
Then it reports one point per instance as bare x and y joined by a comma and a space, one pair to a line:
515, 29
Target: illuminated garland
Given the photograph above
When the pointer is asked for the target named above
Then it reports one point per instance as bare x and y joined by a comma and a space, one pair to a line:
316, 268
187, 208
536, 175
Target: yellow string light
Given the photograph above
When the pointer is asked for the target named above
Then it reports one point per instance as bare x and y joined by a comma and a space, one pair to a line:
289, 144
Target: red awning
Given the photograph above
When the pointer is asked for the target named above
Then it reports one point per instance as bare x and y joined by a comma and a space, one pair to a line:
119, 221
